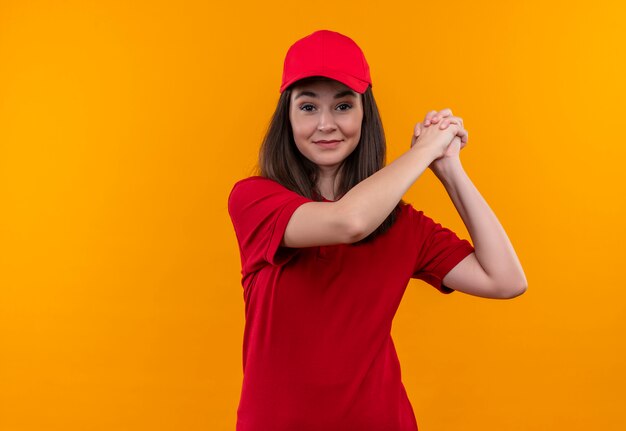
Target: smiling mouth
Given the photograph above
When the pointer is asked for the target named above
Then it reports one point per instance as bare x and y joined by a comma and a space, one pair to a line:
326, 142
329, 144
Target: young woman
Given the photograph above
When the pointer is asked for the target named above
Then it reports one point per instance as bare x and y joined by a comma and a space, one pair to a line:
328, 247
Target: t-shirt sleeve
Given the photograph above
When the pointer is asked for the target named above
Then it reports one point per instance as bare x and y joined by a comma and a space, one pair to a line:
440, 250
260, 209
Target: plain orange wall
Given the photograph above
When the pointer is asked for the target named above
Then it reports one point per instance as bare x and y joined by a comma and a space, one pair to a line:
123, 128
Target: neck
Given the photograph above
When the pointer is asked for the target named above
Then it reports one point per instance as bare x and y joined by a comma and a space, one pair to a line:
327, 183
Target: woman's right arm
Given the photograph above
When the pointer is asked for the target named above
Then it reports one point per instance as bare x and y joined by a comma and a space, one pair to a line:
364, 207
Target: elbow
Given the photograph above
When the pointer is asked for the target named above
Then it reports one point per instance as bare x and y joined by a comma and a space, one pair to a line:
512, 286
354, 232
351, 225
514, 292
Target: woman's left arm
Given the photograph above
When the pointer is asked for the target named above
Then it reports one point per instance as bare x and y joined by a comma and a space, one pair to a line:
493, 270
502, 274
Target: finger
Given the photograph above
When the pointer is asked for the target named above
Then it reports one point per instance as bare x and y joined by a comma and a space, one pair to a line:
416, 134
428, 117
462, 133
418, 129
441, 114
464, 137
451, 120
446, 122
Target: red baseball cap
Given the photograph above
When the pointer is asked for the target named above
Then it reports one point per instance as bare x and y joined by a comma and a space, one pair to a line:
329, 54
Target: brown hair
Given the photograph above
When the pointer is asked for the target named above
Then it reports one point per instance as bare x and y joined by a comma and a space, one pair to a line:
281, 161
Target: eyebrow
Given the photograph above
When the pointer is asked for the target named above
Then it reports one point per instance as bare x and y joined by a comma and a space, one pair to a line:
337, 96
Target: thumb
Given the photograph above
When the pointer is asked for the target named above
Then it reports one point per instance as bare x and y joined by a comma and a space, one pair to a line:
417, 130
416, 133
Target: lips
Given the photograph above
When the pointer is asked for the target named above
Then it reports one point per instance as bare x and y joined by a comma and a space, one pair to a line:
327, 144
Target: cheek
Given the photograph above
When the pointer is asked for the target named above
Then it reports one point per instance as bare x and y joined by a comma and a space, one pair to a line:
300, 133
353, 127
297, 131
303, 127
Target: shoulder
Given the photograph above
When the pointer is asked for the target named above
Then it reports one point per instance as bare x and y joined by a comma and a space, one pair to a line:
253, 184
410, 209
420, 223
415, 215
255, 179
407, 211
261, 192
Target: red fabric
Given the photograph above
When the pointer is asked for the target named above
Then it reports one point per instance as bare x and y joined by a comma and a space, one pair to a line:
330, 54
317, 346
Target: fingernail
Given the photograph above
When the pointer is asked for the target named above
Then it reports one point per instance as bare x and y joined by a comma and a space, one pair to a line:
426, 123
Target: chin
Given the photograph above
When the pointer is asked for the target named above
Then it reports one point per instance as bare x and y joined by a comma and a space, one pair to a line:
328, 162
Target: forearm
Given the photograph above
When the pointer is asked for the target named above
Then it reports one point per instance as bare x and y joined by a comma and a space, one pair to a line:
372, 200
492, 246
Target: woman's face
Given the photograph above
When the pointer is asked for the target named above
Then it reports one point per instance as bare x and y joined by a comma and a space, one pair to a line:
325, 110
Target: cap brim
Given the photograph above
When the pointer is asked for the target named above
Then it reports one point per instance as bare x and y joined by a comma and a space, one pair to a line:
348, 80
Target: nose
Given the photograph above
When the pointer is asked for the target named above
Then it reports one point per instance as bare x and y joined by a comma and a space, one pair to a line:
326, 121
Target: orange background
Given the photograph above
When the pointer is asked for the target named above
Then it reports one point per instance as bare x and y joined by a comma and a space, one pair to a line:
123, 128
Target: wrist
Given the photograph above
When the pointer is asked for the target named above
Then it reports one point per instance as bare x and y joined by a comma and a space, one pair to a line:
446, 167
427, 153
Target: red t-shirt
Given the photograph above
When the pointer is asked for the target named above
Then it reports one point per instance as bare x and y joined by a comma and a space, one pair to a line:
317, 346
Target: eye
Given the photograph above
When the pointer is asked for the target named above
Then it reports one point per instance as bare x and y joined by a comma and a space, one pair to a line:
305, 107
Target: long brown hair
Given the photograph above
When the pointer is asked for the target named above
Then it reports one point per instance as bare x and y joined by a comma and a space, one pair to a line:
281, 161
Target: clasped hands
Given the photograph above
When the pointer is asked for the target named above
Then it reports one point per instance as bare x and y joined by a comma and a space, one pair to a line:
443, 119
